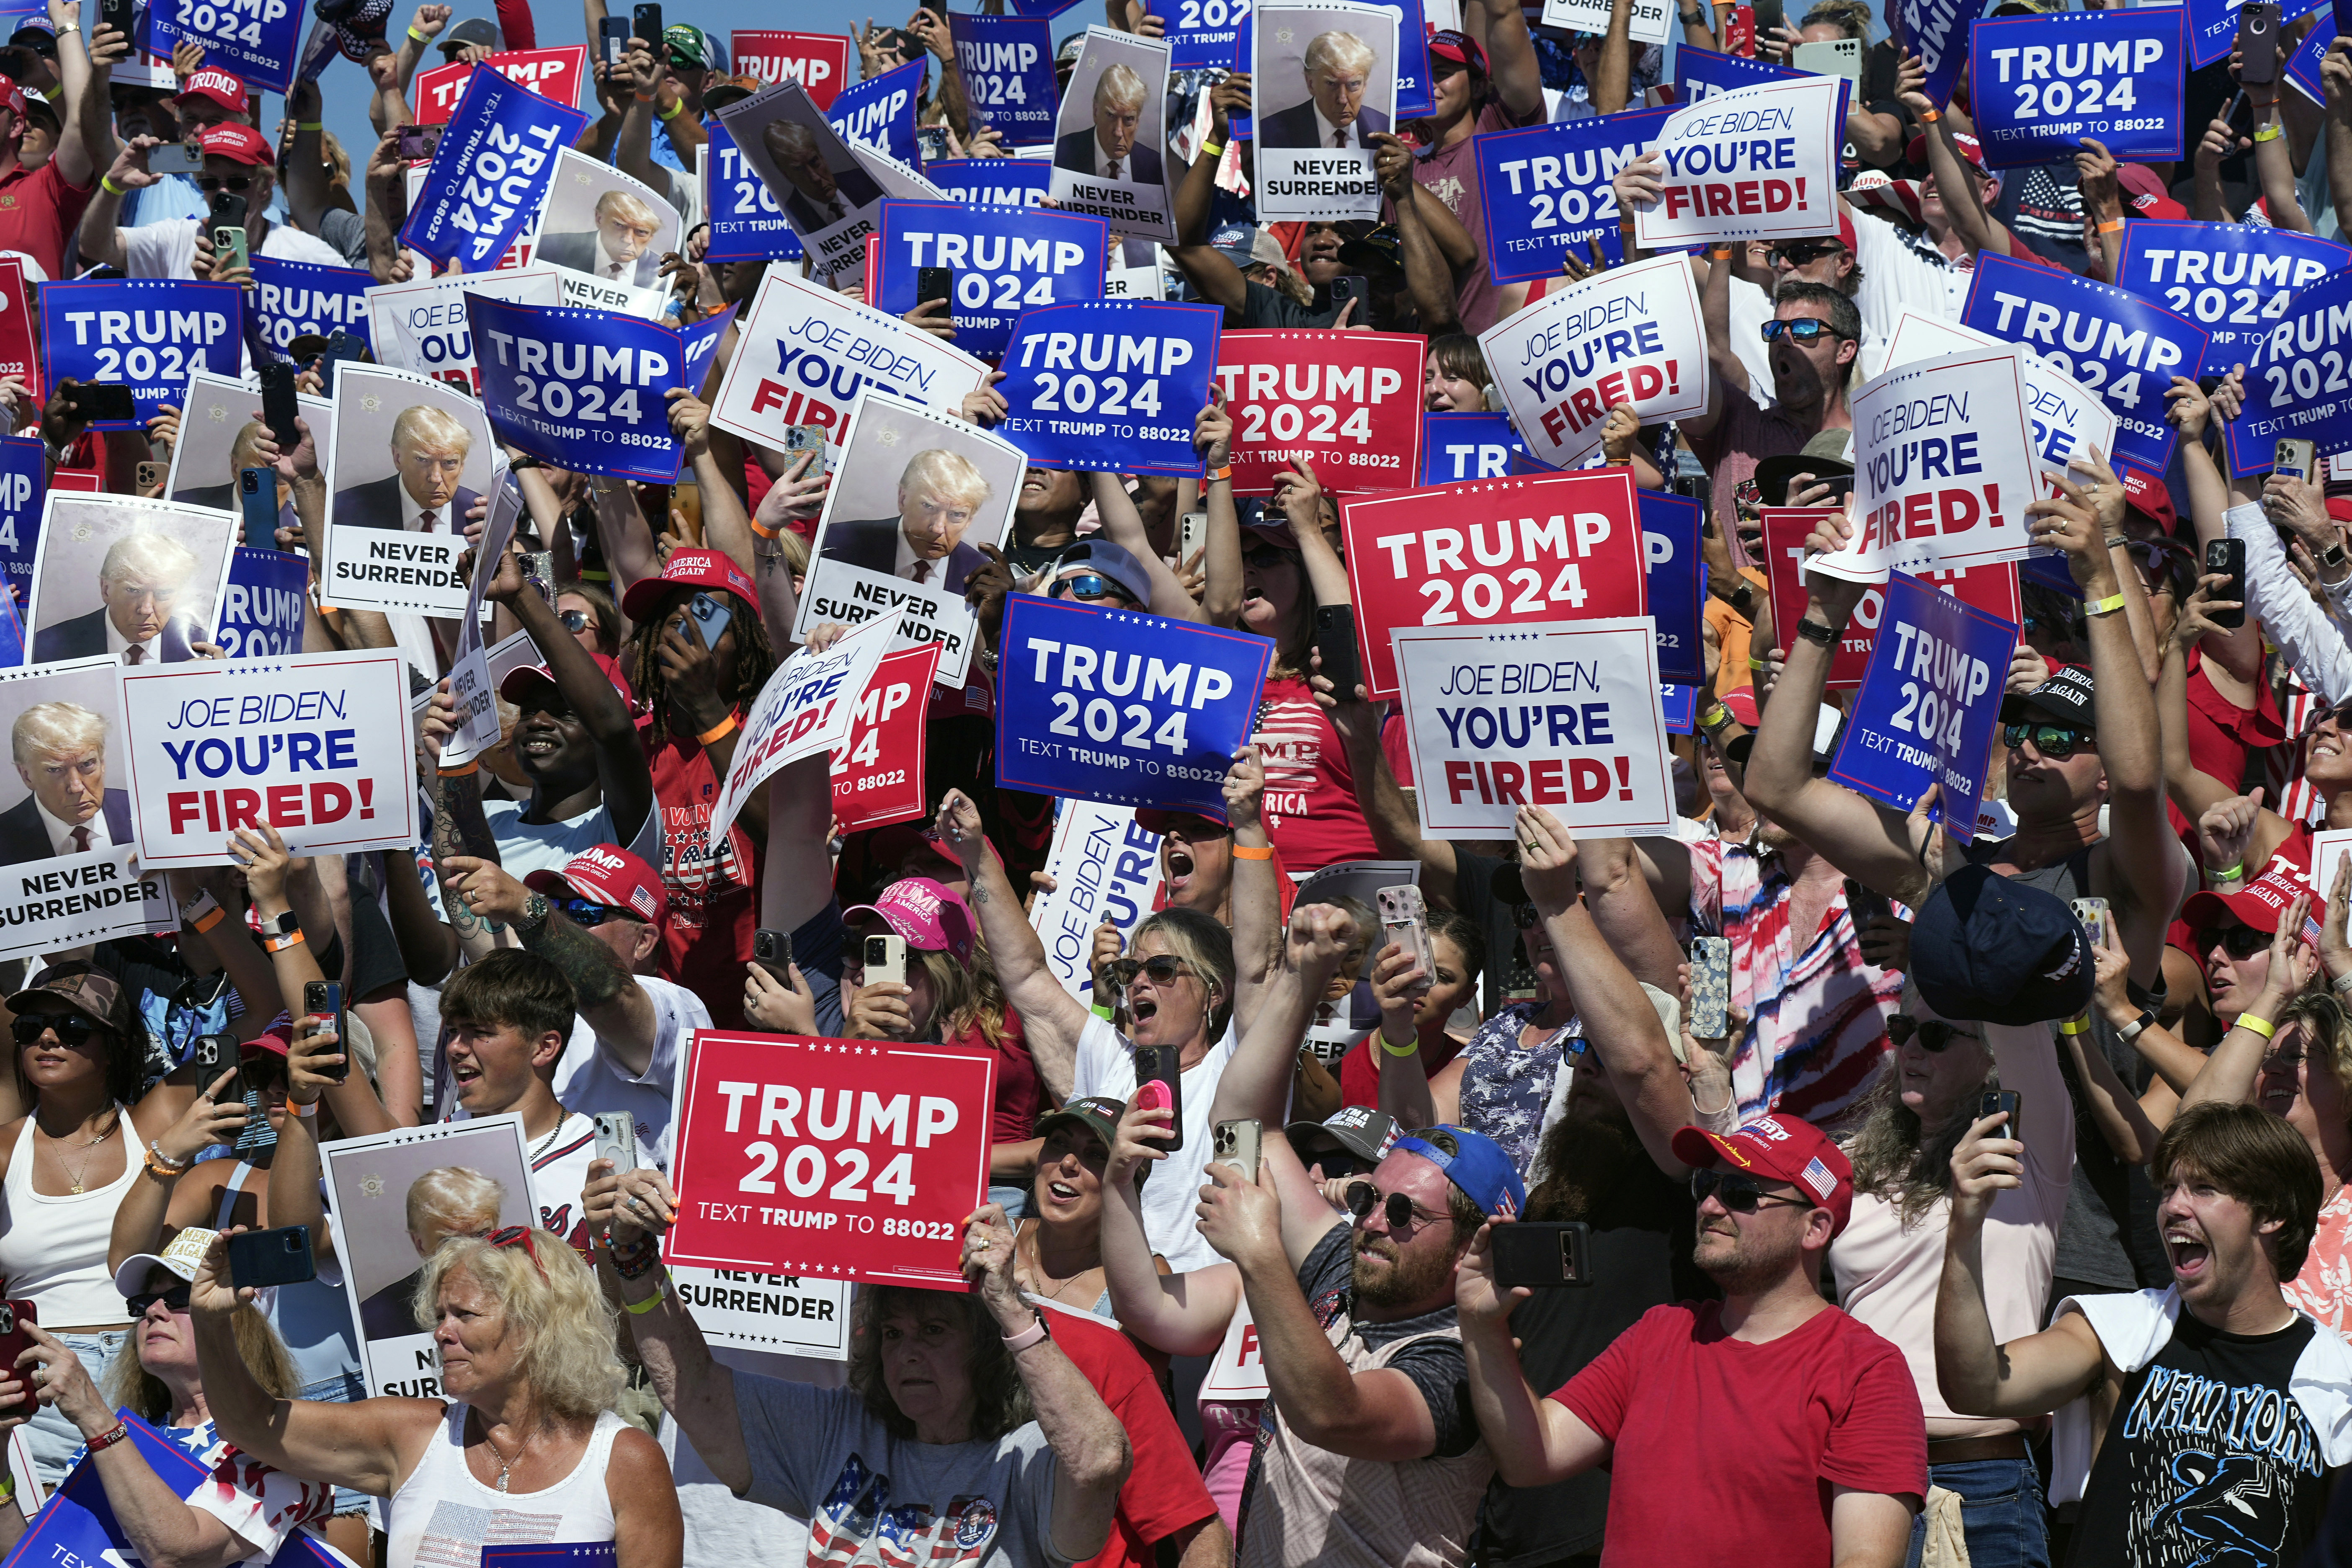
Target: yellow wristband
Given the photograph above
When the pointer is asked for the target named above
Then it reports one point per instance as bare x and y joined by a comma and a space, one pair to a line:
2236, 873
1212, 150
2107, 607
106, 182
2261, 1027
2270, 132
309, 125
718, 731
1755, 663
671, 112
1396, 1051
420, 37
1717, 715
2081, 1026
1243, 852
639, 1309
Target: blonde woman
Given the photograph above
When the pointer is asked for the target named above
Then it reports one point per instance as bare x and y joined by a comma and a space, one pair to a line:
526, 1443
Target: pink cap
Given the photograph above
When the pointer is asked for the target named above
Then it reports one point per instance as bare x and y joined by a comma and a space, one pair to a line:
609, 876
220, 87
688, 569
926, 913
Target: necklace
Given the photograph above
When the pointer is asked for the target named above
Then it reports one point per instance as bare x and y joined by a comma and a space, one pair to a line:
561, 1115
1037, 1266
504, 1464
75, 1175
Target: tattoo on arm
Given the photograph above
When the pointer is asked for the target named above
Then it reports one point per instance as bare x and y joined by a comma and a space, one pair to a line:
597, 976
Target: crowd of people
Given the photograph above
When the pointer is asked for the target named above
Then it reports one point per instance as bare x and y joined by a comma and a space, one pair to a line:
2003, 1220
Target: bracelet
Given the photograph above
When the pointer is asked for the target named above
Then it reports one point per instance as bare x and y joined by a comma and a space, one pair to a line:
106, 182
637, 1261
2107, 607
1929, 116
639, 1309
1396, 1051
2236, 873
309, 125
2129, 1032
2261, 1027
2270, 132
671, 112
1715, 718
1246, 852
274, 945
1015, 1344
1821, 636
159, 1160
2112, 226
718, 731
764, 533
2078, 1025
2342, 983
1212, 150
458, 772
2116, 542
420, 37
68, 30
107, 1439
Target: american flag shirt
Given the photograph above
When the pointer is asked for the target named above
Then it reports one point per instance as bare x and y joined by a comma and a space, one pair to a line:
260, 1505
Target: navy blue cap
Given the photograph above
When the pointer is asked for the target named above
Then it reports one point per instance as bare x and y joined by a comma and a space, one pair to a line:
1479, 1167
1988, 950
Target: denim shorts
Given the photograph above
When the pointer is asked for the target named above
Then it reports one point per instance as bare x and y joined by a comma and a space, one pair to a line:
2001, 1512
343, 1388
53, 1439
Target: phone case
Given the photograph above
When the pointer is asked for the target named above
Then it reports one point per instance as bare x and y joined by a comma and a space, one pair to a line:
1405, 921
279, 1257
2228, 556
1710, 987
1237, 1144
2093, 914
885, 959
617, 1140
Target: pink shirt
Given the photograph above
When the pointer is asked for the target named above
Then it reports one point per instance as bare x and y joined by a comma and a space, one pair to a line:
2324, 1288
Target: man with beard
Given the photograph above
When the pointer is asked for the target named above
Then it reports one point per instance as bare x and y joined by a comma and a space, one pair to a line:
1769, 1429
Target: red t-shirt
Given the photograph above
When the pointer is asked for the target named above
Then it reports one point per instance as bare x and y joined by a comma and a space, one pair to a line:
1829, 1404
2221, 735
1310, 791
38, 211
1019, 1096
1360, 1075
1163, 1492
714, 903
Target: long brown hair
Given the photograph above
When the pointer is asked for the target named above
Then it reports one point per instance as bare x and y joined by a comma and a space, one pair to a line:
999, 1401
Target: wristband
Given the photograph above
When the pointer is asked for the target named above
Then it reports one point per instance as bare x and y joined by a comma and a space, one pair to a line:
1212, 150
1715, 718
2131, 1031
639, 1309
420, 37
68, 30
106, 182
2076, 1026
7, 1486
2107, 607
2112, 226
1225, 473
2270, 132
207, 920
2342, 983
2261, 1027
309, 125
1755, 663
1034, 1333
1929, 116
459, 773
718, 731
1814, 632
671, 112
1396, 1051
645, 96
274, 945
2117, 540
762, 532
1245, 852
107, 1439
2236, 873
156, 1156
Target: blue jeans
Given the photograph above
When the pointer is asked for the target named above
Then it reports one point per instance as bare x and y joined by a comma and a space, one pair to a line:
343, 1388
1015, 1199
2001, 1513
53, 1439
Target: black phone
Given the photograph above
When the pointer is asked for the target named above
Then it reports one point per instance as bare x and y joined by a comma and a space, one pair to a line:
104, 402
2004, 1102
1346, 287
1334, 642
1540, 1255
257, 497
772, 950
211, 1056
2228, 557
280, 405
613, 37
118, 15
1162, 1065
2258, 43
324, 999
1865, 904
279, 1257
934, 283
647, 25
228, 210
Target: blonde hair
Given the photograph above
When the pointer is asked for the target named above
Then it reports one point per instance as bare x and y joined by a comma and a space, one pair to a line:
155, 555
1120, 85
631, 208
53, 729
129, 1383
422, 424
1338, 51
337, 161
946, 474
549, 1297
454, 1201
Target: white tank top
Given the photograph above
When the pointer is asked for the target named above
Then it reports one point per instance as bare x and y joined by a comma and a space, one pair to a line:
53, 1249
445, 1515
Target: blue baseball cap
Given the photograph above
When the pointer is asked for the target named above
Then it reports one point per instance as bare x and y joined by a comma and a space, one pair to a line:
1480, 1168
1989, 950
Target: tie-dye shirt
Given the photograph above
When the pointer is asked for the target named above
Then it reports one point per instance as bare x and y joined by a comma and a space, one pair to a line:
1816, 1012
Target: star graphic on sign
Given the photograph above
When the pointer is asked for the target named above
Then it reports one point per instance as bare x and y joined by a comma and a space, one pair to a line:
370, 404
372, 1186
1283, 35
217, 413
888, 437
581, 179
82, 530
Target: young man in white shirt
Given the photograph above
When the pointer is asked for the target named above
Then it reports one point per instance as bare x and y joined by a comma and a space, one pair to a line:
239, 160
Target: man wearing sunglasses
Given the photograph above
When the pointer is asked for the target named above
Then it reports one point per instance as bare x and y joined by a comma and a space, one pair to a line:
1822, 1413
237, 162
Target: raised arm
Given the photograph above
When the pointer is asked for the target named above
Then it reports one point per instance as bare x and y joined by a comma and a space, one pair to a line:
1123, 525
1256, 885
1514, 72
1051, 1017
88, 143
2335, 82
698, 1392
609, 997
1183, 1314
1535, 1441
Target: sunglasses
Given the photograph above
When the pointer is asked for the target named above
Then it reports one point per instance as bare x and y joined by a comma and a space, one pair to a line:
575, 620
518, 1235
1801, 253
261, 1075
1805, 329
176, 1299
1161, 969
2241, 941
213, 185
2054, 742
1933, 1034
71, 1029
2340, 716
1091, 585
587, 913
1527, 917
1401, 1212
1737, 1191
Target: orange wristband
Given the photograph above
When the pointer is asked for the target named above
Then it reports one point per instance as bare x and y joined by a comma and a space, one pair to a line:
208, 920
459, 773
2112, 226
718, 731
1242, 852
1929, 116
280, 943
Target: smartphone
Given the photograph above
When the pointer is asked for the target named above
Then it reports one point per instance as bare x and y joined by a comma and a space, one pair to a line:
2004, 1102
324, 999
1865, 904
799, 439
2295, 459
1345, 288
2093, 914
341, 348
613, 40
885, 959
1335, 641
1235, 1143
100, 402
175, 158
151, 475
931, 142
711, 615
417, 143
934, 283
118, 15
539, 571
211, 1056
2228, 558
1831, 56
772, 950
1710, 987
648, 26
617, 1140
2258, 53
1739, 32
1191, 536
1405, 921
279, 404
229, 246
1540, 1255
14, 1340
257, 496
1159, 1065
279, 1257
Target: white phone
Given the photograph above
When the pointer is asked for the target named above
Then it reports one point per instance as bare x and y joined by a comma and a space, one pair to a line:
617, 1140
1191, 535
885, 959
1831, 56
1405, 921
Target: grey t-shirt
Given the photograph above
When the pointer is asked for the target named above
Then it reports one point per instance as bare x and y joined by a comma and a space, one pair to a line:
820, 1456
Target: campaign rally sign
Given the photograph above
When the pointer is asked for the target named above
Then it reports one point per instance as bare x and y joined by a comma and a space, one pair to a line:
298, 299
557, 73
1701, 74
1104, 865
585, 390
880, 112
1631, 334
1117, 77
1990, 587
215, 745
991, 182
1757, 163
1561, 714
700, 345
1210, 33
1926, 710
1112, 385
1008, 74
1645, 20
1349, 402
1674, 580
1937, 32
2068, 418
878, 771
489, 173
1491, 552
254, 40
422, 326
1296, 174
818, 61
2122, 347
745, 224
808, 705
2040, 84
1120, 707
2302, 65
149, 333
261, 610
1005, 260
805, 353
23, 492
2296, 383
1547, 190
18, 355
1470, 447
810, 1157
2233, 280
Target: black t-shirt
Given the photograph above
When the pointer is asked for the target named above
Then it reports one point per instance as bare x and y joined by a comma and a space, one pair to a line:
1474, 901
1643, 1228
2208, 1458
2043, 205
1436, 1367
1272, 308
